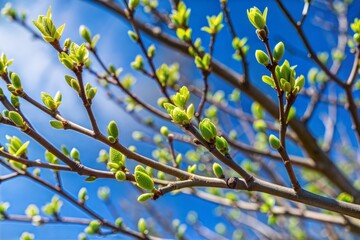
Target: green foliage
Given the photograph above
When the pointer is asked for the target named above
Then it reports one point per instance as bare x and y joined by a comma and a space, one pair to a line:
261, 57
4, 63
208, 130
218, 171
180, 16
47, 28
257, 18
222, 145
113, 132
274, 142
143, 179
215, 24
53, 207
31, 211
142, 226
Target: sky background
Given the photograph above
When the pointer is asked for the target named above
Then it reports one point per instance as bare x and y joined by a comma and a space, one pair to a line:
37, 65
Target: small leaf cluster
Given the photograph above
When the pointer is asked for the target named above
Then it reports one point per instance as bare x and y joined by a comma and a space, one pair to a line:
51, 158
17, 119
83, 195
116, 164
209, 133
4, 63
93, 227
103, 193
177, 110
78, 56
15, 87
240, 45
50, 102
75, 154
286, 77
179, 229
257, 18
168, 75
355, 26
53, 207
218, 171
149, 5
138, 63
3, 207
144, 181
196, 48
17, 148
73, 83
86, 35
47, 27
90, 92
180, 16
142, 226
203, 63
215, 24
184, 34
32, 211
27, 236
113, 132
115, 72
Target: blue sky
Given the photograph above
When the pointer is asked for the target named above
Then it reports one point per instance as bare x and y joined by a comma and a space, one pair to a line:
38, 66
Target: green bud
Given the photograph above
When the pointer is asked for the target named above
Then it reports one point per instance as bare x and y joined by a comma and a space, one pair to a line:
144, 181
67, 43
140, 169
133, 36
89, 231
133, 4
151, 51
85, 33
27, 236
82, 195
178, 159
161, 175
262, 57
120, 176
208, 130
356, 37
257, 19
164, 131
218, 171
16, 118
144, 197
22, 149
82, 236
299, 83
117, 157
190, 111
15, 101
259, 125
274, 142
32, 210
142, 226
57, 124
16, 82
192, 168
119, 222
138, 63
103, 193
75, 154
222, 145
279, 50
113, 131
95, 225
179, 116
